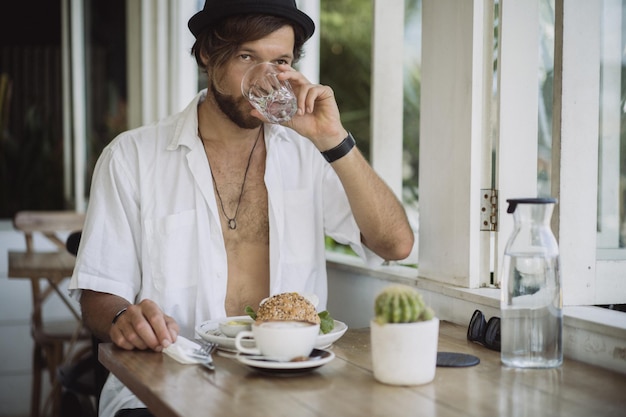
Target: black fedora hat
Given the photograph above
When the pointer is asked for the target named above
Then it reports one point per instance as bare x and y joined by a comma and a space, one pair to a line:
215, 10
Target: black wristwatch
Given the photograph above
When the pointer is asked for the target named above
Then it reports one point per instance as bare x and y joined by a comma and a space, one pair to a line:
340, 150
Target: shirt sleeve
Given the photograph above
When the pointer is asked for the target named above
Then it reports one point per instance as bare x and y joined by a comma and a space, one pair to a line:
108, 259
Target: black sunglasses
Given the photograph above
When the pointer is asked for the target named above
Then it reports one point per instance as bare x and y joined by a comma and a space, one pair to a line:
486, 333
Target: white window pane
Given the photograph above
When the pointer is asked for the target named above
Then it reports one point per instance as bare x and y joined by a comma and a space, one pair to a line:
546, 84
612, 135
411, 116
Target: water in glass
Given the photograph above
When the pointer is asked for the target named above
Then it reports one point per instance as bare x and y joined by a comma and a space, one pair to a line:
273, 98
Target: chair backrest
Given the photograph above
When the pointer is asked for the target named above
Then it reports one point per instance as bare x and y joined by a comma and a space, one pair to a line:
73, 241
49, 224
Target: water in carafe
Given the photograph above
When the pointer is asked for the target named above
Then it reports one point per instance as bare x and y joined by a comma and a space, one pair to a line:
531, 304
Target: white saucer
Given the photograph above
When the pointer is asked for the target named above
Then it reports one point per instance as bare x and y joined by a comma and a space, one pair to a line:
317, 358
210, 331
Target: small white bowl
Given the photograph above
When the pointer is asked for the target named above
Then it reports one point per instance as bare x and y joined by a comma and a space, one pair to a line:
230, 328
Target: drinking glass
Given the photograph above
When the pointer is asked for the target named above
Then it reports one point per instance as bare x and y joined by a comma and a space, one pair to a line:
273, 98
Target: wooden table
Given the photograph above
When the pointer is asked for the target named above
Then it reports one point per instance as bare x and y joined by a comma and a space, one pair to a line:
346, 386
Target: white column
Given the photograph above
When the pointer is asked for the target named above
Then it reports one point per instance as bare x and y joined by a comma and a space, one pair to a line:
163, 59
387, 92
310, 64
133, 63
148, 65
79, 101
69, 193
162, 73
183, 67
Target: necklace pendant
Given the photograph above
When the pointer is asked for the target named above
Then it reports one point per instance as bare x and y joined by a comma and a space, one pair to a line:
232, 224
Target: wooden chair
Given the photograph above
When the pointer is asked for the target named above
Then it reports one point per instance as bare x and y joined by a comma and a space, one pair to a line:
53, 341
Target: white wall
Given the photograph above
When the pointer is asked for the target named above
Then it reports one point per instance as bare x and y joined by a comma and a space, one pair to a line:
352, 289
590, 334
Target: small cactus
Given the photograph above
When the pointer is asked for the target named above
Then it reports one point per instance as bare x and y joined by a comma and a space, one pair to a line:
401, 304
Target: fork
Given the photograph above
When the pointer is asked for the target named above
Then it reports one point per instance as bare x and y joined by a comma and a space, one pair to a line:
204, 354
206, 348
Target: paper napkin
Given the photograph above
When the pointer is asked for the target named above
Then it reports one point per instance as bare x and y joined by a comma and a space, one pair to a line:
182, 351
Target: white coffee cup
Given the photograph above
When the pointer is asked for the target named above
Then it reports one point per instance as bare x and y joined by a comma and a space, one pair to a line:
280, 340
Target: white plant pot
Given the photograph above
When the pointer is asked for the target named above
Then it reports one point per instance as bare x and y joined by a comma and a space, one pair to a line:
405, 353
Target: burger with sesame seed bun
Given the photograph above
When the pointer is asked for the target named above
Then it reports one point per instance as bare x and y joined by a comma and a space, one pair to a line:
291, 306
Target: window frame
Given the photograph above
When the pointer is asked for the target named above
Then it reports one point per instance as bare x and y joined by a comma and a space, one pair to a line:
588, 278
455, 142
449, 244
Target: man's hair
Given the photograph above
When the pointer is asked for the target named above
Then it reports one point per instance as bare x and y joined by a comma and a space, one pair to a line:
221, 43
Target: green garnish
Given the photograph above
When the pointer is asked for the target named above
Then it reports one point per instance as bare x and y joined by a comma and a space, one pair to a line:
327, 323
250, 311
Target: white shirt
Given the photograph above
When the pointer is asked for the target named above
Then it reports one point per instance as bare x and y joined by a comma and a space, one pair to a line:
153, 228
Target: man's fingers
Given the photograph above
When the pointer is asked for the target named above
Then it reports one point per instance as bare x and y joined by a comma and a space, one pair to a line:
134, 339
173, 328
124, 335
144, 326
155, 333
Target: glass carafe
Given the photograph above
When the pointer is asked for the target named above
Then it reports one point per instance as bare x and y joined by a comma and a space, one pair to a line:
531, 303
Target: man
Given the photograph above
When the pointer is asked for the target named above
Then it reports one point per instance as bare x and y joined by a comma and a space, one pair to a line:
211, 209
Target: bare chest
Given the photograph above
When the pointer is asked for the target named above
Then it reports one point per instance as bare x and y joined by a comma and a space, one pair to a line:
242, 200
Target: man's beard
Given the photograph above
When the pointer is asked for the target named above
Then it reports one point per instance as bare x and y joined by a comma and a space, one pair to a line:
232, 108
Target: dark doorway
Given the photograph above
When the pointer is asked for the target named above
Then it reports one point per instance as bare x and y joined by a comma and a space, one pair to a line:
32, 168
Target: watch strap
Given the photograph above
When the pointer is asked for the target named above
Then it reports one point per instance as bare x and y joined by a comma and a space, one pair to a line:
340, 150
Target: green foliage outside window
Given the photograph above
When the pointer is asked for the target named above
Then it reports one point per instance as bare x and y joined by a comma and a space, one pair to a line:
346, 29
